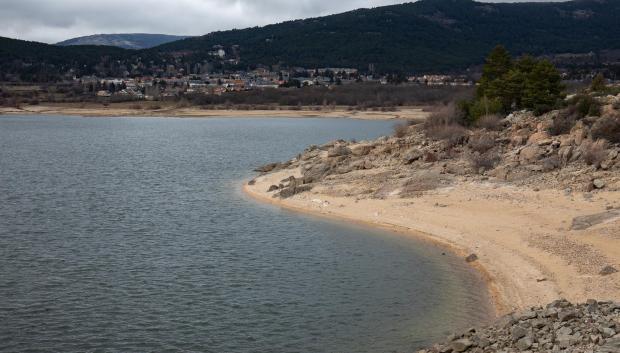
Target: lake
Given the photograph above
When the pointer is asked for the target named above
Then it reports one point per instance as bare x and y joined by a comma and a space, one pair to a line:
133, 235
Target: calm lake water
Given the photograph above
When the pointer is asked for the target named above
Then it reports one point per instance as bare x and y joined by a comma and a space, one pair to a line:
132, 235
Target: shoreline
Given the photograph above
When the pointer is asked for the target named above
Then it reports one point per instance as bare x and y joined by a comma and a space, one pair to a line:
124, 110
496, 304
518, 271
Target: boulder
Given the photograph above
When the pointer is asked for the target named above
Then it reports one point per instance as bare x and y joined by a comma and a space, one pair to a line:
524, 343
361, 149
461, 345
267, 168
338, 151
412, 155
611, 346
538, 138
530, 154
585, 222
564, 154
292, 191
518, 332
598, 183
608, 270
273, 188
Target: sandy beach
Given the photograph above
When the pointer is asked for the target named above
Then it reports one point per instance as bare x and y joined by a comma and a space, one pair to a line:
522, 238
127, 110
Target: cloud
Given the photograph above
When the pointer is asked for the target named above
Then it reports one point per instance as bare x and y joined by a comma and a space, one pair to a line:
54, 20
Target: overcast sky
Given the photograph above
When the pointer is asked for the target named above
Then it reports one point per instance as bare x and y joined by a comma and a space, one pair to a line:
51, 21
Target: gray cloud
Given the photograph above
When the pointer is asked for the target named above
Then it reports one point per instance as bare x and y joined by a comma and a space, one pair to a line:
55, 20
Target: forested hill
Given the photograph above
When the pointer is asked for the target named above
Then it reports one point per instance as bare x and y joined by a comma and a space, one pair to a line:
424, 36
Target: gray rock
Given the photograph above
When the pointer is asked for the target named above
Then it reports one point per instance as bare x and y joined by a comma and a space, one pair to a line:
461, 345
273, 188
338, 151
412, 155
611, 346
268, 168
567, 315
518, 332
608, 270
524, 343
598, 183
292, 191
607, 332
585, 222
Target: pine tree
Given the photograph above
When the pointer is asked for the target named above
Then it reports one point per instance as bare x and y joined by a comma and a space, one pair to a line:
498, 64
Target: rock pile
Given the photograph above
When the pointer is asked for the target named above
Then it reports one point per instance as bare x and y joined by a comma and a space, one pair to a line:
593, 327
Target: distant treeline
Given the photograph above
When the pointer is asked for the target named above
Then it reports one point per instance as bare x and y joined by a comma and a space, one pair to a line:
361, 96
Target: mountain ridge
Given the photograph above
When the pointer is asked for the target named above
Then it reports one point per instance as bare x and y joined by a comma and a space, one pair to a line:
124, 40
428, 36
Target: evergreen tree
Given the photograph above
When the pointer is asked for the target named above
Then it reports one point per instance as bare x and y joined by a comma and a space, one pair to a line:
498, 64
543, 87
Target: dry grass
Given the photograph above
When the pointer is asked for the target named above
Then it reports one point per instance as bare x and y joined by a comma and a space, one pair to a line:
489, 122
401, 130
564, 121
608, 128
446, 123
482, 141
483, 161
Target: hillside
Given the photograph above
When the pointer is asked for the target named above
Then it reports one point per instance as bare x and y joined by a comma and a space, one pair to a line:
429, 35
126, 41
421, 37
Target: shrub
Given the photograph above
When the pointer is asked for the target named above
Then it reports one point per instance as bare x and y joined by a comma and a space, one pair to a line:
564, 121
608, 128
445, 115
586, 105
481, 107
599, 84
453, 134
489, 122
484, 161
594, 152
400, 130
482, 142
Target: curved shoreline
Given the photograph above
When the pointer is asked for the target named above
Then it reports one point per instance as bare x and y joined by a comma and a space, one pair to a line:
526, 251
413, 113
497, 303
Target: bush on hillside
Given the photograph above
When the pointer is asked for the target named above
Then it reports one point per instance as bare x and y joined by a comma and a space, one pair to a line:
608, 128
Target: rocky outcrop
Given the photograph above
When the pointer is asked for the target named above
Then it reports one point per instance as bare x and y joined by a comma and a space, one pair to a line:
585, 222
559, 327
523, 152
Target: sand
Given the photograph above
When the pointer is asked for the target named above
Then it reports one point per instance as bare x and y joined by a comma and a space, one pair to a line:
523, 240
126, 110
